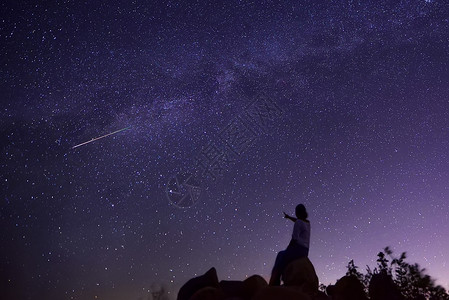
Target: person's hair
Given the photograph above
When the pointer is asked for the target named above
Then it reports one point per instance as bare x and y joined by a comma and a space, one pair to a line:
301, 212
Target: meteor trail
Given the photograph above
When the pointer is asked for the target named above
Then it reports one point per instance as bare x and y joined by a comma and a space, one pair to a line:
94, 139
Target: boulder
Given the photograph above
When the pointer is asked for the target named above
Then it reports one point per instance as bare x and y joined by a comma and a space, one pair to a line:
301, 283
208, 293
232, 288
301, 273
252, 285
281, 293
209, 279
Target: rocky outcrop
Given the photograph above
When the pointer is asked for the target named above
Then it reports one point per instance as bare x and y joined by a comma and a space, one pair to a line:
301, 274
194, 285
300, 283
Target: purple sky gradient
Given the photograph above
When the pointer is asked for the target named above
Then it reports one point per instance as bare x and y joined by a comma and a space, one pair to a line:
362, 140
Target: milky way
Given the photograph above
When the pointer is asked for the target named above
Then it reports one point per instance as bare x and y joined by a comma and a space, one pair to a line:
360, 137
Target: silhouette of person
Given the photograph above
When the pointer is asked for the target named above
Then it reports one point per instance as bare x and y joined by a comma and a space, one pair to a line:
298, 247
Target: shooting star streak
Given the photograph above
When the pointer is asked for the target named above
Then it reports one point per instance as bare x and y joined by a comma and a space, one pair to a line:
95, 139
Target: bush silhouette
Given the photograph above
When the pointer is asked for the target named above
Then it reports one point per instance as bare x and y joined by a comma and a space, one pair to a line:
411, 280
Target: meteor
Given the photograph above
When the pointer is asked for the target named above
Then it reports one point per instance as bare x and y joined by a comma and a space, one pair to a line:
95, 139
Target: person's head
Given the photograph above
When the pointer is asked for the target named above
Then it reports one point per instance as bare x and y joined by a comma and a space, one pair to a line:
301, 212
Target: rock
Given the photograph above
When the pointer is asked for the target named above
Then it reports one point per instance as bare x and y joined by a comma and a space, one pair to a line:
208, 293
209, 279
252, 285
280, 293
347, 288
301, 273
301, 283
232, 288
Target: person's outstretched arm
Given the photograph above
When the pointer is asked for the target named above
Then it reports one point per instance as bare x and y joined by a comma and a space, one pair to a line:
289, 217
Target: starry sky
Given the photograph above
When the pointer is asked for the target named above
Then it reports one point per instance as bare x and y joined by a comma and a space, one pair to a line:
357, 131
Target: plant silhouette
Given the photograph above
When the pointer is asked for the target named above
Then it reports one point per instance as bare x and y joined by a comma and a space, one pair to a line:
410, 279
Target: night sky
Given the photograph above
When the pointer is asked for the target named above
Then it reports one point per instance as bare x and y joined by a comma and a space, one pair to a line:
340, 105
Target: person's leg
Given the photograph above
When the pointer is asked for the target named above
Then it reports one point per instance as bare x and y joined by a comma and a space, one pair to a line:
276, 272
291, 254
